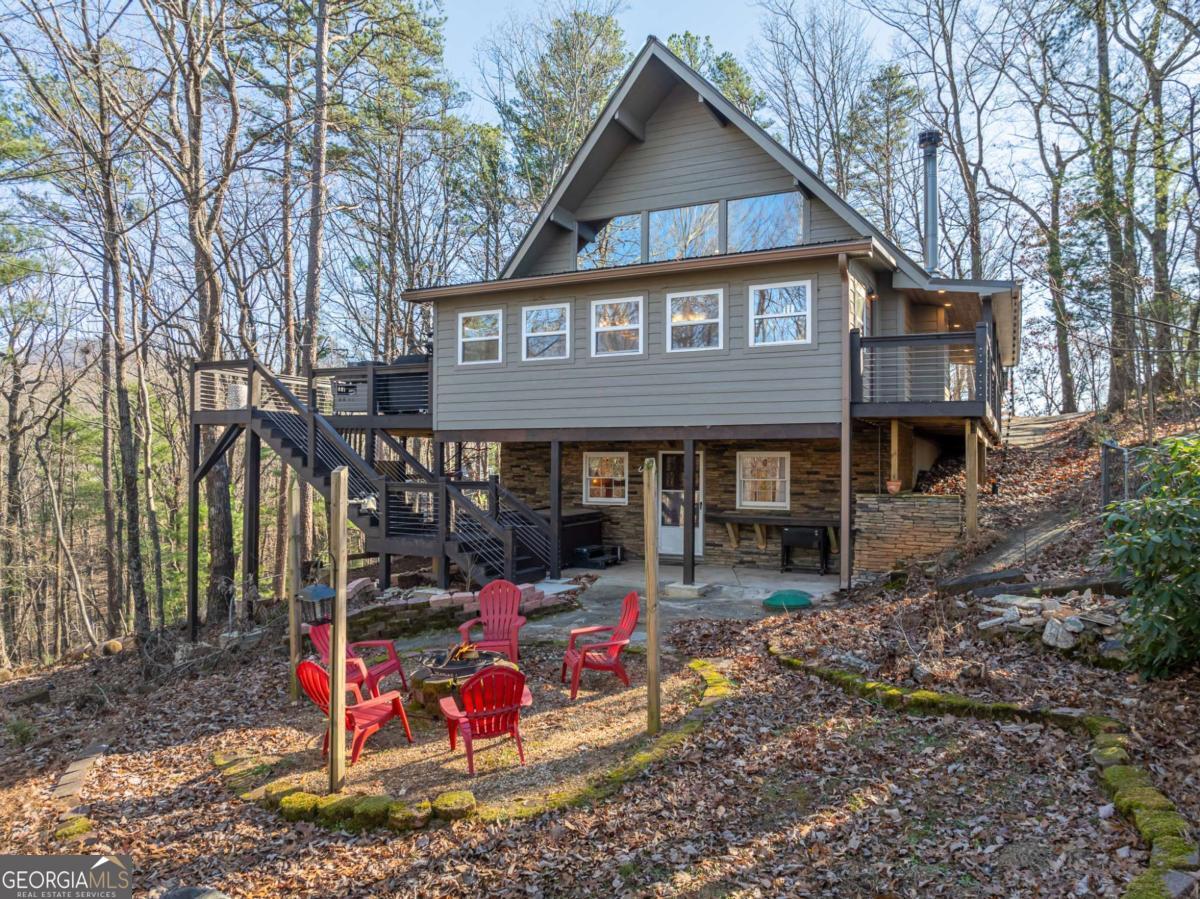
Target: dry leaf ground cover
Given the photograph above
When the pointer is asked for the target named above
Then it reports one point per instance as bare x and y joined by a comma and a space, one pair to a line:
564, 741
792, 788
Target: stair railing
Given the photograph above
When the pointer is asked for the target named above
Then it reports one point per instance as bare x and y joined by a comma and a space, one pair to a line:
411, 462
317, 425
476, 525
532, 529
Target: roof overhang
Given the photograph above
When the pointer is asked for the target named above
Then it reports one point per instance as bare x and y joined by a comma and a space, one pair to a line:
640, 91
854, 249
1006, 305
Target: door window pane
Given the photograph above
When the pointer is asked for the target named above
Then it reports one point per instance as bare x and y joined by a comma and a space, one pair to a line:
684, 232
618, 242
760, 223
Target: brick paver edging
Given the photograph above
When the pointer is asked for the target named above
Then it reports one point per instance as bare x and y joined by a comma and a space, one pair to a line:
1174, 857
74, 823
255, 779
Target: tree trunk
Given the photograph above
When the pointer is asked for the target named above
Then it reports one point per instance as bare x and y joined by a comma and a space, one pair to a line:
316, 226
1120, 376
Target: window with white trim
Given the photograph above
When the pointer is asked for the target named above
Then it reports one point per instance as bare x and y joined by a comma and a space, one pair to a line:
763, 480
695, 320
606, 479
781, 313
480, 337
546, 332
617, 327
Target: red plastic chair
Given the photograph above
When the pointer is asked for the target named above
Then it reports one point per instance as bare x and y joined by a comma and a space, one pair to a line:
499, 605
604, 656
362, 718
358, 673
492, 702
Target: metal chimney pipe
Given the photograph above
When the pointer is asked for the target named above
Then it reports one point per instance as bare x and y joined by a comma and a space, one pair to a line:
929, 141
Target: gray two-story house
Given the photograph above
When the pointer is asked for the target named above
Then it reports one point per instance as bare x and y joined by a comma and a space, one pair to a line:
693, 293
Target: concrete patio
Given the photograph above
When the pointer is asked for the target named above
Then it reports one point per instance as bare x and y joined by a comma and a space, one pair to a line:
729, 592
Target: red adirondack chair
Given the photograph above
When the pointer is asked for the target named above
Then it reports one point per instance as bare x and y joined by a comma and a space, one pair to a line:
492, 702
604, 656
499, 604
358, 672
362, 718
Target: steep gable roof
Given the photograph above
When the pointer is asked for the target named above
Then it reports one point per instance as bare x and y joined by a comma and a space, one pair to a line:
654, 72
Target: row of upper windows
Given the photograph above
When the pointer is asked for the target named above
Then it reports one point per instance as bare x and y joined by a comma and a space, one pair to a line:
751, 223
780, 313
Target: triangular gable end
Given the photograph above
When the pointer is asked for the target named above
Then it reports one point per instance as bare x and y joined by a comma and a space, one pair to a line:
658, 83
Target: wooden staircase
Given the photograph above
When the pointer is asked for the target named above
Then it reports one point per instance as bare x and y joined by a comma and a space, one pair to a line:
400, 506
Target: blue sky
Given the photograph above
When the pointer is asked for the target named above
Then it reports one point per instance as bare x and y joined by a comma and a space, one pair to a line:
732, 24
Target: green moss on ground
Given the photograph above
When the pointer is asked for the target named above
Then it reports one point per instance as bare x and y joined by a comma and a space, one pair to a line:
1147, 885
336, 807
1156, 823
75, 827
372, 811
1109, 756
454, 804
1124, 777
1135, 799
299, 806
222, 759
274, 792
409, 816
1175, 852
1111, 740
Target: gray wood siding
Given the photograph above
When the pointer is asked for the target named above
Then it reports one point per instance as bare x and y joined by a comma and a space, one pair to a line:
555, 252
687, 158
825, 225
734, 385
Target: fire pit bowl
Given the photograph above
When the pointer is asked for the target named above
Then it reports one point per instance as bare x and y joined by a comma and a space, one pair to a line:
437, 675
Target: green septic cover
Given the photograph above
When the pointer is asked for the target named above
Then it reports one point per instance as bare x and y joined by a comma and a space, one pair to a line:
788, 600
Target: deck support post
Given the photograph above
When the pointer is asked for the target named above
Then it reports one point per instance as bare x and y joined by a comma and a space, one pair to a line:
894, 467
250, 520
845, 505
441, 564
295, 536
385, 570
650, 551
555, 508
689, 511
193, 560
971, 450
339, 509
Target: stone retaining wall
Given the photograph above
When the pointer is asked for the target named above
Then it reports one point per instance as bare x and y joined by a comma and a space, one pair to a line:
399, 616
891, 529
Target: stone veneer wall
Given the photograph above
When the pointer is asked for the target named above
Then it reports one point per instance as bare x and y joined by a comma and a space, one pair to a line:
905, 526
524, 469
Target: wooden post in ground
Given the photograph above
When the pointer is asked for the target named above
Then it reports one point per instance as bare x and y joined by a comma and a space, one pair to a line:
339, 509
972, 454
650, 520
292, 585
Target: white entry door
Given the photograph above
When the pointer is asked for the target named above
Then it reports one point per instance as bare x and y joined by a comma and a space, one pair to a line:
670, 503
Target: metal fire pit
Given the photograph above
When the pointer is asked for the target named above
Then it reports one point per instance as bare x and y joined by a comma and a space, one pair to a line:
437, 676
